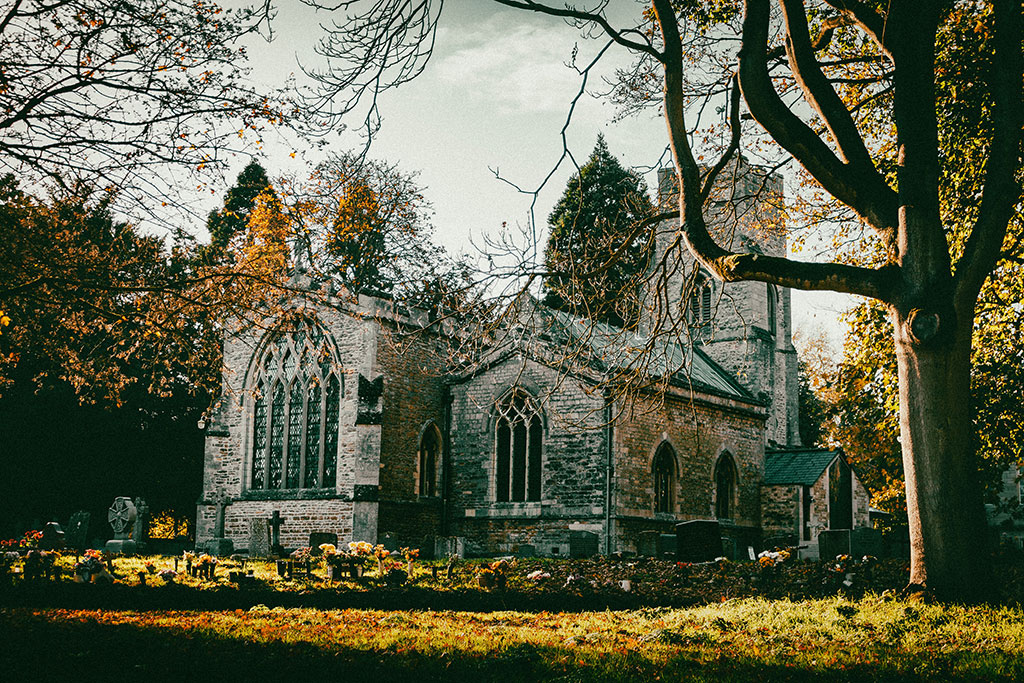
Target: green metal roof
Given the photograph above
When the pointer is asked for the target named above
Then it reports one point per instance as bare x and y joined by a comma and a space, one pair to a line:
797, 465
609, 347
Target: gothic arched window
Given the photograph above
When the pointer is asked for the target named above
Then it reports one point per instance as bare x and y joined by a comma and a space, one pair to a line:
664, 478
519, 435
429, 455
773, 308
296, 407
700, 300
726, 481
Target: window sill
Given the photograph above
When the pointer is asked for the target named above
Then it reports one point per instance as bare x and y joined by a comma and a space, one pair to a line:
293, 494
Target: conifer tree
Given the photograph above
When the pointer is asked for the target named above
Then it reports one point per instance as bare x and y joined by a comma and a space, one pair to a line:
238, 204
595, 257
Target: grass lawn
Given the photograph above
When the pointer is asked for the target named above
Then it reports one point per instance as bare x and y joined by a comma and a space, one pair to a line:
750, 639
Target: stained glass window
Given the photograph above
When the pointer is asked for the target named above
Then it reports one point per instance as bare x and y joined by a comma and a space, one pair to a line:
313, 407
259, 439
518, 444
295, 426
725, 487
295, 443
331, 432
430, 446
276, 436
664, 479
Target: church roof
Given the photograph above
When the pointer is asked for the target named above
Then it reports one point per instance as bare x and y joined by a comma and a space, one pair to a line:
608, 347
797, 465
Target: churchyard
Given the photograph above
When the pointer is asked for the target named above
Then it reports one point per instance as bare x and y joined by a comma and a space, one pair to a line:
362, 610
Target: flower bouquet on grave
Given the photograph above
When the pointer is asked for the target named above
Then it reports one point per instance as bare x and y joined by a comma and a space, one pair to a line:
206, 566
8, 559
381, 553
409, 554
90, 565
168, 575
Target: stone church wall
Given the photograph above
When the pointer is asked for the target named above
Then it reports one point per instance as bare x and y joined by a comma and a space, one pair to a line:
574, 459
227, 460
780, 513
699, 432
414, 399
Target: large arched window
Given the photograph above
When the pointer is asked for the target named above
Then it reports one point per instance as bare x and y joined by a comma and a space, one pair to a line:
726, 481
297, 397
429, 455
700, 300
519, 435
664, 478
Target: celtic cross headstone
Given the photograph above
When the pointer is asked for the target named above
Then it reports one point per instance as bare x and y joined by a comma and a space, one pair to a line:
121, 516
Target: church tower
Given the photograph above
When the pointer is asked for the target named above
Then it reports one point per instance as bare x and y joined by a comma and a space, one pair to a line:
746, 327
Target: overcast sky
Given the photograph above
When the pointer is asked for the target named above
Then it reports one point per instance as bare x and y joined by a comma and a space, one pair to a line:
494, 95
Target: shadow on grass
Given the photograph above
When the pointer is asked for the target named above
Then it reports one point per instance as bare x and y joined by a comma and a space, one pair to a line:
40, 649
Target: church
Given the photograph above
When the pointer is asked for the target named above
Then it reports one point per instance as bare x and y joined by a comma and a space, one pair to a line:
342, 419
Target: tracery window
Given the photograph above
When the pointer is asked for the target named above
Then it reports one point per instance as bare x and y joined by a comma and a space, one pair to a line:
725, 487
664, 478
296, 406
519, 435
700, 300
430, 448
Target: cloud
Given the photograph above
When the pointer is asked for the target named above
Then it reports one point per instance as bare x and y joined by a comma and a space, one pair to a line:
519, 69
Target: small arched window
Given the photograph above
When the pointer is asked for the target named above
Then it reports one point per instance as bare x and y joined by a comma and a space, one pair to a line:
429, 455
773, 309
296, 405
519, 435
700, 300
725, 487
664, 478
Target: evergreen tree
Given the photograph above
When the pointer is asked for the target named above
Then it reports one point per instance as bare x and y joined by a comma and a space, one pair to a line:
595, 258
239, 201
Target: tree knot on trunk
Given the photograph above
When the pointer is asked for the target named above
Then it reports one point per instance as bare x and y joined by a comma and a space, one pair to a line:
923, 326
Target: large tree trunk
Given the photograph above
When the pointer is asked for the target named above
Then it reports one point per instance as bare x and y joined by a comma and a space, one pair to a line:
948, 533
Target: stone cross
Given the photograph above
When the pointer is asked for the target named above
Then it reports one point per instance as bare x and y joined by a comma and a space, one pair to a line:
122, 515
221, 500
276, 520
140, 532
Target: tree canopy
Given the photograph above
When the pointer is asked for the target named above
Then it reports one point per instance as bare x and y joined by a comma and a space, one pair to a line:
596, 253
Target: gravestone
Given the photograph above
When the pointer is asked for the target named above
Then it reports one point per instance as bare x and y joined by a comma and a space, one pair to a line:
389, 542
53, 537
140, 530
219, 546
865, 541
699, 540
259, 537
121, 516
582, 544
647, 543
833, 542
318, 538
78, 531
526, 550
276, 520
730, 550
449, 546
667, 544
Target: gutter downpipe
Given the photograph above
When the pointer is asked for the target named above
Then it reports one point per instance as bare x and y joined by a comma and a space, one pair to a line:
609, 471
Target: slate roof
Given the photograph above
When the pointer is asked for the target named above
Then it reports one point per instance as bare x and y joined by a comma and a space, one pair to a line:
797, 465
608, 346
